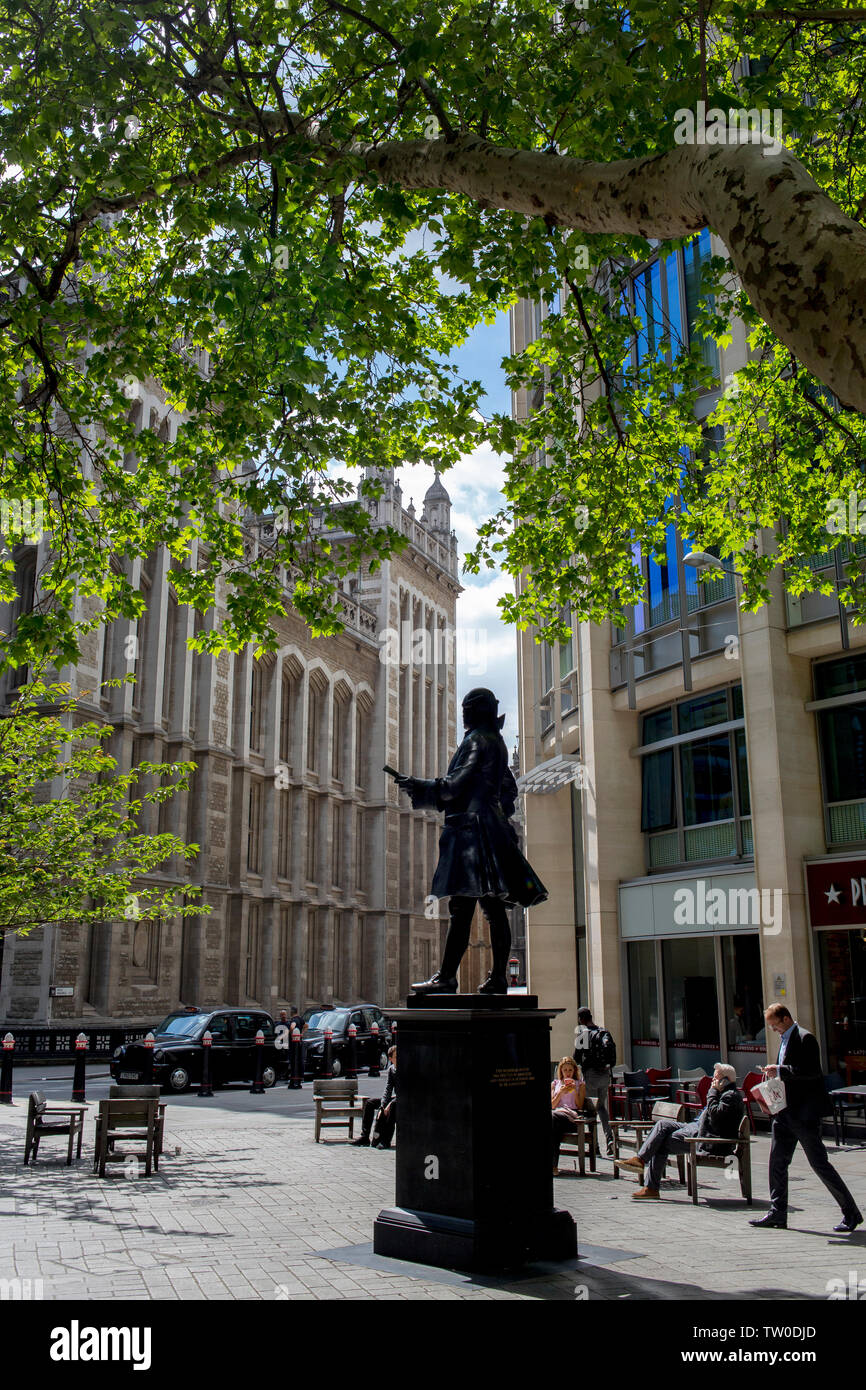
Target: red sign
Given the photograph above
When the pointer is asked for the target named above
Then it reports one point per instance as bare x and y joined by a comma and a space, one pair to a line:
837, 892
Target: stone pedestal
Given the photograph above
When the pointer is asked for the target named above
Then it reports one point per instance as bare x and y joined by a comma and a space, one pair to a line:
474, 1169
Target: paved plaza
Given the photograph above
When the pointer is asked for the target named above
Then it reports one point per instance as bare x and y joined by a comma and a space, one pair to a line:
251, 1208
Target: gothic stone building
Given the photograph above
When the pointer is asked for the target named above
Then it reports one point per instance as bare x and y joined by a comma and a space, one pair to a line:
315, 869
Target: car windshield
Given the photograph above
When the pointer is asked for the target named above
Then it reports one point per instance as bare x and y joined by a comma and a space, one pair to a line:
182, 1025
336, 1022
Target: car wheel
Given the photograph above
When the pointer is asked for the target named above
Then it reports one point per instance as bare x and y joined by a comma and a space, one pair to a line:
178, 1079
269, 1077
336, 1067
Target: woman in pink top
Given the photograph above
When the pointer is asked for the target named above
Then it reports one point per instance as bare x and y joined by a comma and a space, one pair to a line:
567, 1099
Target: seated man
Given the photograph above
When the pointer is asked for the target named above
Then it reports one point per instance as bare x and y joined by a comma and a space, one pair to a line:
719, 1118
387, 1108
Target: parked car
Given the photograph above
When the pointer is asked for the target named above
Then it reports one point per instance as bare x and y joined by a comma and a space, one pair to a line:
177, 1050
338, 1019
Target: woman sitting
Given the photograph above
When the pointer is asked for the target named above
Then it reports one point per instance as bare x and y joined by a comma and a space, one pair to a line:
567, 1101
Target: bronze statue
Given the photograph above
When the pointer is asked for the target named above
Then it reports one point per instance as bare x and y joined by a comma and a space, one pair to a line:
479, 858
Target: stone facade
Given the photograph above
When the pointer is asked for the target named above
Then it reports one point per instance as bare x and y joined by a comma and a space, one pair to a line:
315, 869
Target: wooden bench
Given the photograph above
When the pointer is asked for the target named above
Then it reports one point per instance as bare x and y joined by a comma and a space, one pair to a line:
742, 1154
338, 1105
122, 1121
662, 1110
39, 1128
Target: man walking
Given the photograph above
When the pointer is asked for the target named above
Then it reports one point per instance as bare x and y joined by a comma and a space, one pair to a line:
799, 1066
720, 1119
595, 1054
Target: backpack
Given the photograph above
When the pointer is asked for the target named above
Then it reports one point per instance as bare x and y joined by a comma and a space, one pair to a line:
601, 1052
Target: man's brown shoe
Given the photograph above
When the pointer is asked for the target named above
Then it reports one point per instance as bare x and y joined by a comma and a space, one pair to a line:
635, 1162
645, 1194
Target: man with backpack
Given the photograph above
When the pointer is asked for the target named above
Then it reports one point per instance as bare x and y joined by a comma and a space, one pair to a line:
595, 1054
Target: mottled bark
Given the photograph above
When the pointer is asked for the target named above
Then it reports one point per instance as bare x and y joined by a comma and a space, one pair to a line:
800, 259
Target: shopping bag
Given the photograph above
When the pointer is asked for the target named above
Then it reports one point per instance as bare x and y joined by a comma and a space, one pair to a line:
770, 1095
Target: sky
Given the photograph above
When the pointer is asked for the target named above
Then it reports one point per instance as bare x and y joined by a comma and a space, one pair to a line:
486, 646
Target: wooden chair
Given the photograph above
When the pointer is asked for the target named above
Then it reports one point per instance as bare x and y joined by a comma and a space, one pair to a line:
616, 1096
695, 1098
39, 1127
752, 1079
125, 1121
742, 1154
657, 1077
662, 1110
338, 1105
144, 1093
583, 1136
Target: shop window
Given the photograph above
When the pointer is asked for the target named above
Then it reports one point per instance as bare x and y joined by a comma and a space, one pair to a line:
644, 1005
842, 956
744, 1002
691, 1002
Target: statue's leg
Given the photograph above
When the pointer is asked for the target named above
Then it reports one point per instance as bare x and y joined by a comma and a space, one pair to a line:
445, 979
500, 940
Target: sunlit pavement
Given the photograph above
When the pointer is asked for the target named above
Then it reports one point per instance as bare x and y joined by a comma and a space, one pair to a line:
251, 1208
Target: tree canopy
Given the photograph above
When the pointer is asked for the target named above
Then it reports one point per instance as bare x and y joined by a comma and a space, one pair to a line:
287, 214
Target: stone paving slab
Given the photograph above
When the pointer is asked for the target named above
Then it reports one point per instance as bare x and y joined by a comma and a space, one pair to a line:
252, 1209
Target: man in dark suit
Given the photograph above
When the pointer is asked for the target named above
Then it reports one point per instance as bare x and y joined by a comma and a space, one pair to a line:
799, 1066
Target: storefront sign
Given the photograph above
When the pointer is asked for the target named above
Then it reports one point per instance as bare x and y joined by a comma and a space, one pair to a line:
837, 892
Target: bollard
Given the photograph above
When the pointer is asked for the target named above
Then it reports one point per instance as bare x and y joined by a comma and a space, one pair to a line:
205, 1089
351, 1054
257, 1089
296, 1078
78, 1076
327, 1069
374, 1064
148, 1060
6, 1070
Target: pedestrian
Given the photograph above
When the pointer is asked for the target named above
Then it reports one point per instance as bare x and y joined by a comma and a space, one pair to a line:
386, 1108
720, 1118
595, 1054
806, 1103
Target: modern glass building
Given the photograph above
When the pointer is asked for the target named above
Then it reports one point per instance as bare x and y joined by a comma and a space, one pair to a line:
696, 790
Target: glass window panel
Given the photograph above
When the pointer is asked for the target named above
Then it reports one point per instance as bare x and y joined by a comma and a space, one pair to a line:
703, 712
691, 1004
843, 743
708, 792
744, 1001
840, 677
643, 994
658, 800
843, 983
673, 273
737, 701
743, 773
566, 649
658, 725
662, 585
694, 253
